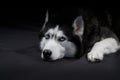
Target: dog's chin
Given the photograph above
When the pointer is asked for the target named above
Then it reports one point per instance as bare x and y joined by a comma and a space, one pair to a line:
51, 59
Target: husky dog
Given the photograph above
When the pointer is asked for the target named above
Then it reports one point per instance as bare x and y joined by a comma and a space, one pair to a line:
75, 35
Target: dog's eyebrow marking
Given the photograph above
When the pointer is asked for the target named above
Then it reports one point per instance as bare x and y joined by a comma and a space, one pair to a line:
50, 31
56, 28
54, 32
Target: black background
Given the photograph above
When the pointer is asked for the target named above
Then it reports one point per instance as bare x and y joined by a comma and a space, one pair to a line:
20, 57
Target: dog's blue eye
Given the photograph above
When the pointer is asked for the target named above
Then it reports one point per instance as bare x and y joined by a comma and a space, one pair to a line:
47, 36
61, 39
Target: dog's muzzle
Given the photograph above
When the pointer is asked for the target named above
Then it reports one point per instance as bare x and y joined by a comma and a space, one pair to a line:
52, 51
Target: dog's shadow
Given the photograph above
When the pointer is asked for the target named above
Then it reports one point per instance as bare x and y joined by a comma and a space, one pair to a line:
34, 53
65, 61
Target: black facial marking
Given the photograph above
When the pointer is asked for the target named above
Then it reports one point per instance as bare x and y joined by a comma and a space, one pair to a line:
68, 32
47, 36
52, 36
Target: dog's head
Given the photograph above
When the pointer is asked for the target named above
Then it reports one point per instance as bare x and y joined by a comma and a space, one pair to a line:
61, 40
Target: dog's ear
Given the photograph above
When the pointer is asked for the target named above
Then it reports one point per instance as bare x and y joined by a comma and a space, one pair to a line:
78, 26
46, 20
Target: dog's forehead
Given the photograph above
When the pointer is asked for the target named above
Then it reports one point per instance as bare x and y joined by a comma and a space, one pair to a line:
53, 30
56, 30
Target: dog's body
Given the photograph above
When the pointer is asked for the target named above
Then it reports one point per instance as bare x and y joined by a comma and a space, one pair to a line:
66, 35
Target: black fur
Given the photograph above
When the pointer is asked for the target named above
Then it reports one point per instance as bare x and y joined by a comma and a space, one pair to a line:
68, 31
95, 26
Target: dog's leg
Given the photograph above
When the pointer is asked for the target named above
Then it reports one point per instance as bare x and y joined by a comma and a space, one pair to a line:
105, 46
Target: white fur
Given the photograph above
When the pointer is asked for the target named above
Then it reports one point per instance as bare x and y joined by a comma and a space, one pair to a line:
59, 49
42, 43
106, 46
55, 31
70, 48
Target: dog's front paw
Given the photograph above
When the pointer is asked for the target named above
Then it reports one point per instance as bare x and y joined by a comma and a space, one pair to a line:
95, 56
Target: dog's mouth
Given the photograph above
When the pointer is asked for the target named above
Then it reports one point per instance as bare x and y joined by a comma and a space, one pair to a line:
50, 60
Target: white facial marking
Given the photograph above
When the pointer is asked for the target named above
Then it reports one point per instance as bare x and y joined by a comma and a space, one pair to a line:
106, 46
56, 29
59, 49
51, 31
42, 43
70, 48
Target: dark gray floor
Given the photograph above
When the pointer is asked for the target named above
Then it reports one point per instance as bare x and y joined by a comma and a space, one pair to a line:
20, 60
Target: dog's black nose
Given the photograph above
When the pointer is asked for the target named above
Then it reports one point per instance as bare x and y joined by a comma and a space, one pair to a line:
47, 53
